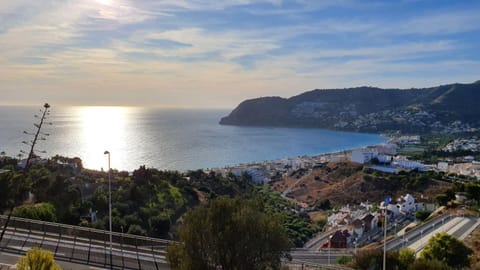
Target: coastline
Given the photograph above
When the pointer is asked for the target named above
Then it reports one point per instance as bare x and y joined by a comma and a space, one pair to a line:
284, 165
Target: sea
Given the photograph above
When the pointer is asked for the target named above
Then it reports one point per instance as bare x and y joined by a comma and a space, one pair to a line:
167, 139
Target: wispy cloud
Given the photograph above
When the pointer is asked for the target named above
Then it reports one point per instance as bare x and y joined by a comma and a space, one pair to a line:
442, 24
194, 52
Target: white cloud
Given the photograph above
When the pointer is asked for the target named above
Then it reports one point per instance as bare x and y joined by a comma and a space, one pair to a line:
431, 24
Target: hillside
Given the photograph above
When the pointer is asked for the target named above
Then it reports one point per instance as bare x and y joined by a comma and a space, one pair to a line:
350, 183
447, 108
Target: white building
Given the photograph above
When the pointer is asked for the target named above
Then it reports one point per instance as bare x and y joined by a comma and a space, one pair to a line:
409, 165
363, 156
407, 204
442, 166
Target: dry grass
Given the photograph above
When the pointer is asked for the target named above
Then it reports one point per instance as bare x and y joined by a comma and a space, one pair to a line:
343, 183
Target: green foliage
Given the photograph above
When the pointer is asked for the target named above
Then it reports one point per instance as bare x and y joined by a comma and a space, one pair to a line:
298, 225
137, 230
149, 202
229, 234
442, 199
323, 204
447, 249
422, 215
14, 188
373, 259
422, 264
344, 260
406, 257
473, 191
37, 259
320, 221
413, 180
39, 211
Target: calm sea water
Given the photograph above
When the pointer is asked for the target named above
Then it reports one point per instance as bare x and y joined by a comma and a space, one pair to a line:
164, 138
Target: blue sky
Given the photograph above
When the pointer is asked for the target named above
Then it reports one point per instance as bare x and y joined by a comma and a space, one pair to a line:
218, 53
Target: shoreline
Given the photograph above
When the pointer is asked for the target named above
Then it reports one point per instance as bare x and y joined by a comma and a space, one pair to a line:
309, 161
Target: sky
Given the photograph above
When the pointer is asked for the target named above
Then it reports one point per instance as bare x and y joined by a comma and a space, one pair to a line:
215, 54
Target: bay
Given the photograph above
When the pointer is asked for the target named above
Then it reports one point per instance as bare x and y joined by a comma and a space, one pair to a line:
173, 139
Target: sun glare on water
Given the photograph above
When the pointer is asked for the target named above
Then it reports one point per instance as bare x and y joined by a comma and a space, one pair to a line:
103, 128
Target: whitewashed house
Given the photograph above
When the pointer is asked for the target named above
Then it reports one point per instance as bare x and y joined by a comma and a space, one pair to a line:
407, 204
363, 156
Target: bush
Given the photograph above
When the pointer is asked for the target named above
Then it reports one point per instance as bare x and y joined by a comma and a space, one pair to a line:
344, 260
37, 259
39, 211
447, 249
422, 215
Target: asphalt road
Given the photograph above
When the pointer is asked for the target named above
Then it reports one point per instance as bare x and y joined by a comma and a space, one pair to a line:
7, 261
324, 256
84, 251
417, 238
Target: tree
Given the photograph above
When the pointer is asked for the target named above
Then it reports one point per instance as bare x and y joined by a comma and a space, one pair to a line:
373, 259
473, 191
447, 249
422, 215
422, 264
442, 199
37, 259
229, 234
344, 260
39, 211
137, 230
406, 257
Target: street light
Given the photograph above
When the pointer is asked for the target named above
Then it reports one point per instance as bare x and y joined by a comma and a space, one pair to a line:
109, 207
329, 247
385, 238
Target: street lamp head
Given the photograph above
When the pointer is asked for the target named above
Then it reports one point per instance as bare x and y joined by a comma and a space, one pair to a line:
106, 153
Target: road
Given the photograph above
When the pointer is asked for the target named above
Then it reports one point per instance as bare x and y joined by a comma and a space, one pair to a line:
324, 256
415, 239
93, 251
7, 262
418, 237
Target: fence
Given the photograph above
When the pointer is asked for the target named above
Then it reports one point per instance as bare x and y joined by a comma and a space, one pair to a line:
84, 245
298, 265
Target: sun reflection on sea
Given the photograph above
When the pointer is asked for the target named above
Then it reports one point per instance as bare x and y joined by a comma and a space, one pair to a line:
103, 128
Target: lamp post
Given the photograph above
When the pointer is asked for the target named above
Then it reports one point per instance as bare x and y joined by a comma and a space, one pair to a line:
385, 204
385, 241
329, 247
109, 207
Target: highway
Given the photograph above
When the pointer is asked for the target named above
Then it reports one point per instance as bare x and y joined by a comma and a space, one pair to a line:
144, 253
85, 246
417, 238
324, 256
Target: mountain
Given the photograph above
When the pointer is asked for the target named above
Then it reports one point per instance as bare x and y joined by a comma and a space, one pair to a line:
446, 108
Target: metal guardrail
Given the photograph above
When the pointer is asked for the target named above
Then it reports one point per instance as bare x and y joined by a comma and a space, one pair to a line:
301, 265
84, 245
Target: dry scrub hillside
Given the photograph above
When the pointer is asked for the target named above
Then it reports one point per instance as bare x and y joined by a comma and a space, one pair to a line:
346, 182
